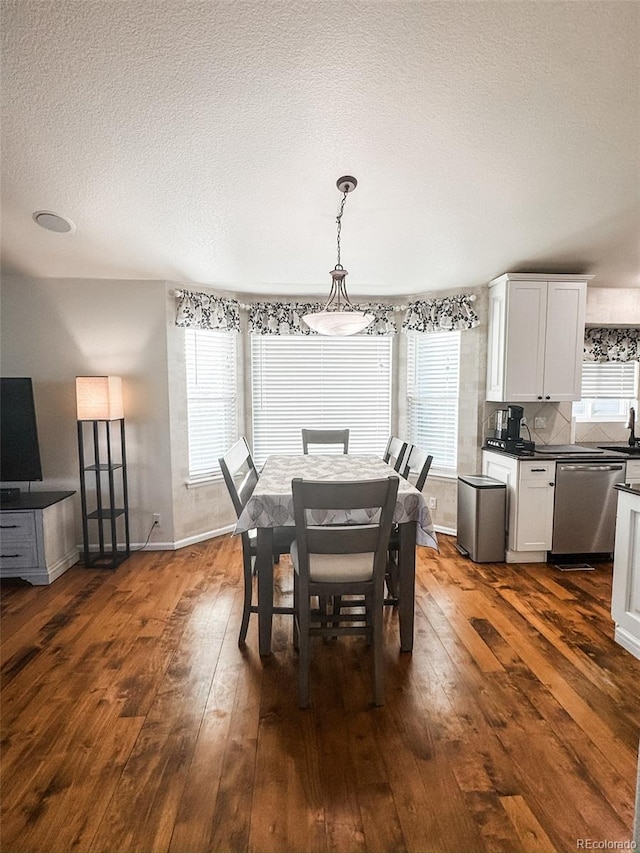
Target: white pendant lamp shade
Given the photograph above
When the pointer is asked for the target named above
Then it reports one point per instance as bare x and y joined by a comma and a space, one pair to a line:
339, 316
99, 398
340, 323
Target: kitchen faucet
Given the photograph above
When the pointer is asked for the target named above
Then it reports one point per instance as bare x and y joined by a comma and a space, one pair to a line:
631, 424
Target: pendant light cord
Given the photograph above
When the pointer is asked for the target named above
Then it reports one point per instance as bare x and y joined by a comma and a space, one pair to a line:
339, 221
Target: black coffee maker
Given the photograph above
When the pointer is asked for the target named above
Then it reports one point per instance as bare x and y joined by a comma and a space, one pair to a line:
514, 422
507, 435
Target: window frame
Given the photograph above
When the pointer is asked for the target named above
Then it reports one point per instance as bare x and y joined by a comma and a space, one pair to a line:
343, 368
624, 402
228, 393
414, 358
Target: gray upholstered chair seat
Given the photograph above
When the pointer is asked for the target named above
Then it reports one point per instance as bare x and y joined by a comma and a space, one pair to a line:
336, 568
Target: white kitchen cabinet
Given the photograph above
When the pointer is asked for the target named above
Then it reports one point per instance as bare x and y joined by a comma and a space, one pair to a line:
530, 495
625, 592
536, 337
37, 536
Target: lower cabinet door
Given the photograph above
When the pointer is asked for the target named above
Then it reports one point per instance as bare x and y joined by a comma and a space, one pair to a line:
534, 523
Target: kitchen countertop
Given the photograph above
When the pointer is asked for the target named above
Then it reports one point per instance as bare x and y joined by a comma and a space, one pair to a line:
553, 452
631, 488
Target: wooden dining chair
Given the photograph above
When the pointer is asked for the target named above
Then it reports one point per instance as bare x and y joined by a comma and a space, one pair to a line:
417, 464
241, 475
325, 436
335, 560
395, 452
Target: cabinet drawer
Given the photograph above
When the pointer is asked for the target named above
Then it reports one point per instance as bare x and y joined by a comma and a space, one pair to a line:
538, 471
17, 525
18, 554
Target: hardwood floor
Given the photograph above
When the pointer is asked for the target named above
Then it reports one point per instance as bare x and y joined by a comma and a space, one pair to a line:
133, 722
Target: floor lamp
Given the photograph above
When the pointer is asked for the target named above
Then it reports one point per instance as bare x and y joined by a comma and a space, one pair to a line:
103, 470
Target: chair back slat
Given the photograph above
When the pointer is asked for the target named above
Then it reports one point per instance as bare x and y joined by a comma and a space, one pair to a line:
325, 436
418, 463
240, 473
394, 453
347, 539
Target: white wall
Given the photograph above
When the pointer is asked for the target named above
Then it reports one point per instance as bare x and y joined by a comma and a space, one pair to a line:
53, 330
613, 306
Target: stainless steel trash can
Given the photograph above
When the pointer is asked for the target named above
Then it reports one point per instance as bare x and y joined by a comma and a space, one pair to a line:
481, 518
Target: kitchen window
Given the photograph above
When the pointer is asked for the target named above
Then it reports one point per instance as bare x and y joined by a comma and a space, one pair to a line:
320, 382
608, 390
212, 383
433, 368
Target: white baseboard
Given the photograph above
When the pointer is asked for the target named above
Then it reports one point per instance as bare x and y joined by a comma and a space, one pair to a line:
448, 531
627, 641
183, 543
212, 534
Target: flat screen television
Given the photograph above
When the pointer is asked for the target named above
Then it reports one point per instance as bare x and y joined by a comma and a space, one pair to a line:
19, 448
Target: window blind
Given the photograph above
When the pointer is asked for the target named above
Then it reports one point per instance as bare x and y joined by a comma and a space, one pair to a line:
320, 382
211, 398
611, 379
433, 362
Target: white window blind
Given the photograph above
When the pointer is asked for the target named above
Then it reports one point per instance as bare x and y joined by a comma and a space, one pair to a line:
433, 363
320, 382
212, 383
608, 389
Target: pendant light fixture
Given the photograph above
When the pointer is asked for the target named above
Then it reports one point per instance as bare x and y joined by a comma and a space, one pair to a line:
339, 316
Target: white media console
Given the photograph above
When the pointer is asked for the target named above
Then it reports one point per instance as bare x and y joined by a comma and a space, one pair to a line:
37, 536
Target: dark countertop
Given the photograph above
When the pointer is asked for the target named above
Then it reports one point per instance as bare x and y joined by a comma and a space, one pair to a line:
34, 500
631, 488
554, 454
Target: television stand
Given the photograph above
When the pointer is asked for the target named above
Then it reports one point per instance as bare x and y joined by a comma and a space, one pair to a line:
37, 536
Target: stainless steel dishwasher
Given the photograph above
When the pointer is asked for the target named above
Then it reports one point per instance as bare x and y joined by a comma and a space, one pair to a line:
584, 516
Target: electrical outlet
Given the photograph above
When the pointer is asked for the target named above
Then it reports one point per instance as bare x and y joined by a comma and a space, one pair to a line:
433, 503
540, 423
157, 519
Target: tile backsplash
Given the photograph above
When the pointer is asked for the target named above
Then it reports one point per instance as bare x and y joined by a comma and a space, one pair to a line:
555, 416
555, 426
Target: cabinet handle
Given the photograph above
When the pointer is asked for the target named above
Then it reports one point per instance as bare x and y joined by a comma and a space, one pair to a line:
539, 396
552, 484
537, 470
548, 397
9, 556
8, 526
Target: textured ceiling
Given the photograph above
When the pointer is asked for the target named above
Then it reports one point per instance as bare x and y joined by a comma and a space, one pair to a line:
200, 142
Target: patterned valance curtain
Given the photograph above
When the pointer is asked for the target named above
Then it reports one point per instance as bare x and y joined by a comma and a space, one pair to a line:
612, 345
204, 311
285, 318
445, 314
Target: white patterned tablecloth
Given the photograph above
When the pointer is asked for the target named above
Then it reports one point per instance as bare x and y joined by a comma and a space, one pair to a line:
271, 504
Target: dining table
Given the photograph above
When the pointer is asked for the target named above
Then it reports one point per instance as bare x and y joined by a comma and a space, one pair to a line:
271, 505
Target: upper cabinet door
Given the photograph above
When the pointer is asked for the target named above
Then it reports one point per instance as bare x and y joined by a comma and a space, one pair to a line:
564, 346
536, 334
524, 351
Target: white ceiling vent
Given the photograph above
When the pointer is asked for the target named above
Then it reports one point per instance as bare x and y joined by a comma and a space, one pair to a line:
53, 221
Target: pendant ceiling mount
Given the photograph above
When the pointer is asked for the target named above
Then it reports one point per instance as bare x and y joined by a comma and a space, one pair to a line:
346, 184
339, 316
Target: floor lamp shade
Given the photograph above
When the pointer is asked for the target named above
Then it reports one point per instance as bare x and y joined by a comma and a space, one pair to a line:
99, 398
